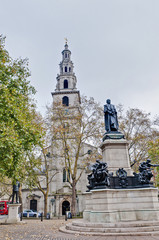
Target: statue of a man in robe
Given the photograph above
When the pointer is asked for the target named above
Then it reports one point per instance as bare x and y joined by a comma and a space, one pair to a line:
111, 120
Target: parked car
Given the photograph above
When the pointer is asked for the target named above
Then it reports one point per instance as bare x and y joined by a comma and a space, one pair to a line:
32, 213
39, 213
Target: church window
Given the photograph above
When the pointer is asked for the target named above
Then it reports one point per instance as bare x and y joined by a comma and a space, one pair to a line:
65, 55
65, 83
65, 175
65, 101
69, 69
65, 69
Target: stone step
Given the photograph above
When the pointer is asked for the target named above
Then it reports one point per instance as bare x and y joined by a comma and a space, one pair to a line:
154, 233
112, 230
138, 228
116, 225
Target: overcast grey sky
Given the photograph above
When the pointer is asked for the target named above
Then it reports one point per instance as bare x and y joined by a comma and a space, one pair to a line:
114, 45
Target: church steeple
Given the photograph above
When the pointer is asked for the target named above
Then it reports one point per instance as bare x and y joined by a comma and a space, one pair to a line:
66, 81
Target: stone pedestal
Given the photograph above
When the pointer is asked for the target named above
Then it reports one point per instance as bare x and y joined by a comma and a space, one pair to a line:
116, 205
13, 216
115, 154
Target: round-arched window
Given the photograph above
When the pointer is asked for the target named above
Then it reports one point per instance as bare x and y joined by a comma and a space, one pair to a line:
65, 83
65, 101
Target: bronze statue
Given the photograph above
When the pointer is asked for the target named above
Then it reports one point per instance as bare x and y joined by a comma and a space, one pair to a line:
111, 121
99, 177
16, 187
145, 172
122, 175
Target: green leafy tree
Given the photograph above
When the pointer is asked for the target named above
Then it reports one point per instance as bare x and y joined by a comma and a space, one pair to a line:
19, 130
154, 150
154, 156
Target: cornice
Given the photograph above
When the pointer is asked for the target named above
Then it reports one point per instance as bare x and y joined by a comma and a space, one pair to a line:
65, 92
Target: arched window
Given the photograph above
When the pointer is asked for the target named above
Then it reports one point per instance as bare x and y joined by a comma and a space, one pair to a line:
65, 69
65, 175
65, 101
65, 55
65, 207
65, 83
69, 69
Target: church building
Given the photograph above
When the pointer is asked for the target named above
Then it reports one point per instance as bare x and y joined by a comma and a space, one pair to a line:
60, 192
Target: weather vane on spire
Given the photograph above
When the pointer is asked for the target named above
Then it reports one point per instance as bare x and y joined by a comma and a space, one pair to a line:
66, 40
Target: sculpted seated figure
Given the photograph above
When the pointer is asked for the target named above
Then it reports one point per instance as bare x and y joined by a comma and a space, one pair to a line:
99, 175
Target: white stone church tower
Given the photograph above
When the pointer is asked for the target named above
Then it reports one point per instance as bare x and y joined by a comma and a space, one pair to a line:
59, 198
66, 82
67, 94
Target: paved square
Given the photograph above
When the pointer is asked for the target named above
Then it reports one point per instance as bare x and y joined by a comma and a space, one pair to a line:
34, 229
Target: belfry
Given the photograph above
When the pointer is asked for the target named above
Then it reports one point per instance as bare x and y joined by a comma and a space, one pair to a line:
66, 90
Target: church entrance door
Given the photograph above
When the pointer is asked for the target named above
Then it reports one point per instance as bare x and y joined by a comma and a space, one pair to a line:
65, 207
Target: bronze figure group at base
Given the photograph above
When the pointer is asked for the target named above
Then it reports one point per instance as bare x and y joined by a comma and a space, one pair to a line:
101, 178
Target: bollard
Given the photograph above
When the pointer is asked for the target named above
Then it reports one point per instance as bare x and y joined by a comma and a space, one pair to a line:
41, 217
66, 216
21, 216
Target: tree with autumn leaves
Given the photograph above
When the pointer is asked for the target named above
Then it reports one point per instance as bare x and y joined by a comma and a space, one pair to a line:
19, 130
72, 127
140, 131
154, 156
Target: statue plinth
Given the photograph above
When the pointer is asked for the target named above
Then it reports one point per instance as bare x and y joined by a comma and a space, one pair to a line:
115, 154
117, 205
13, 216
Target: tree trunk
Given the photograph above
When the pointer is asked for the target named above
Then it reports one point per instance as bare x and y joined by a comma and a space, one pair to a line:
73, 206
45, 204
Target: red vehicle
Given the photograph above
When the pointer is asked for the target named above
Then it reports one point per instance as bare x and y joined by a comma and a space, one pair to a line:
4, 207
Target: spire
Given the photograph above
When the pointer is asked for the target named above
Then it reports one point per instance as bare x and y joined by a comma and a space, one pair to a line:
66, 79
66, 40
66, 45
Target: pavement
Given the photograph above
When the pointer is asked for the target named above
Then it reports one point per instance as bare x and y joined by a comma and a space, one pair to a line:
35, 229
